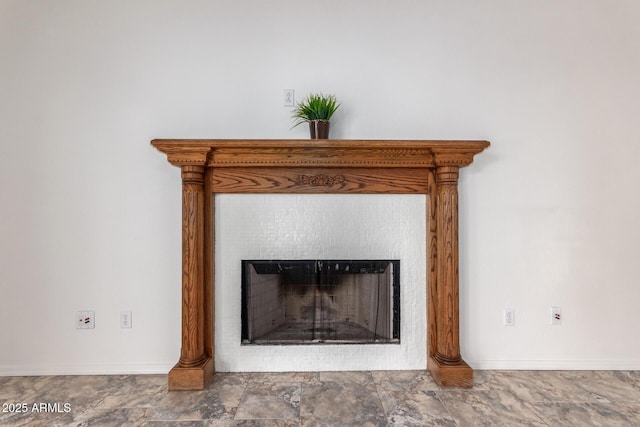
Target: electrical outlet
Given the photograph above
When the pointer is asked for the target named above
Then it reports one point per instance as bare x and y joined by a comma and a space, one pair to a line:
125, 320
288, 97
556, 315
509, 317
85, 319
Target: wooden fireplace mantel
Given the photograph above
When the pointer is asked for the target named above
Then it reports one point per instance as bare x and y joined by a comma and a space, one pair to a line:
211, 166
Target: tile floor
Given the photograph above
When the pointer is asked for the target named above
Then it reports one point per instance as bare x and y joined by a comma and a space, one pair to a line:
389, 398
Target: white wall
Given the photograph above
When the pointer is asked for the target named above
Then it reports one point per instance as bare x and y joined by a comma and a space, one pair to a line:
90, 213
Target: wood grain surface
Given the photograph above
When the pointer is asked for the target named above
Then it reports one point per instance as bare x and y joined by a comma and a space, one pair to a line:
211, 166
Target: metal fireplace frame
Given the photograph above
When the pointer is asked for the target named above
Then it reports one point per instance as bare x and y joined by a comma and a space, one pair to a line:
323, 270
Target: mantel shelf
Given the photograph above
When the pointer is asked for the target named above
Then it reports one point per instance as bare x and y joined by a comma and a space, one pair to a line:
323, 153
211, 166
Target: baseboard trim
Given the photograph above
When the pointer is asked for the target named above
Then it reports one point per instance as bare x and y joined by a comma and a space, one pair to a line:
164, 368
124, 369
556, 365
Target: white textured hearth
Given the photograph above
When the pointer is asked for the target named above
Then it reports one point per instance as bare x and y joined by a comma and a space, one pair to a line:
324, 226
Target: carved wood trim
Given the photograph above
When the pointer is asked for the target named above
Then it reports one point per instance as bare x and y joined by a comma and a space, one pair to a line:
319, 180
212, 166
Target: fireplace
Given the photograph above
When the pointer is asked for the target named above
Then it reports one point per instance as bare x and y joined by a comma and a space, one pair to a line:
320, 302
214, 166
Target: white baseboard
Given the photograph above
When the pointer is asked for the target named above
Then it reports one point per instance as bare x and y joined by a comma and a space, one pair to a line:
125, 369
163, 368
556, 365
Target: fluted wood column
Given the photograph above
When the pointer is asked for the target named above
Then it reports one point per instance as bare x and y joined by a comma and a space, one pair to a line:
192, 370
446, 364
192, 352
448, 346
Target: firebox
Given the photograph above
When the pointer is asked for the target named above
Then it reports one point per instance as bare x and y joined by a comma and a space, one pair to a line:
320, 301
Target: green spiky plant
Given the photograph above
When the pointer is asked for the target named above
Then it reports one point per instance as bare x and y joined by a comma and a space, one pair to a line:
316, 106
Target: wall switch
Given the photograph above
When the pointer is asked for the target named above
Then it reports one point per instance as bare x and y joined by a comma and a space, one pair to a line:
509, 317
85, 319
125, 319
556, 315
288, 97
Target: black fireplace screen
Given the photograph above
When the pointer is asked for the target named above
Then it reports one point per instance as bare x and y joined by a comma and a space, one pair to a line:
320, 301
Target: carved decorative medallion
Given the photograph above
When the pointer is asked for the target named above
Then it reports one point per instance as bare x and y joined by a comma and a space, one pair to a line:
321, 180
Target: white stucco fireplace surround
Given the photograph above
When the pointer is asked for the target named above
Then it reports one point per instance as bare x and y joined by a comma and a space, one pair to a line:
227, 216
320, 226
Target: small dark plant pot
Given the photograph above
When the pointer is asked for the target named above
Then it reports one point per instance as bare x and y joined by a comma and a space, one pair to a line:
319, 129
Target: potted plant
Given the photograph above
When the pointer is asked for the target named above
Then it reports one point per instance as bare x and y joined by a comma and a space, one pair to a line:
316, 109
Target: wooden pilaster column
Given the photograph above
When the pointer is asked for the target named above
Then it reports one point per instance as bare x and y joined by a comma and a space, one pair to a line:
446, 364
195, 366
192, 352
448, 346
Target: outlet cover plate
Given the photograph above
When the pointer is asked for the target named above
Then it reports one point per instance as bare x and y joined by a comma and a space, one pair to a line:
85, 319
288, 97
125, 319
509, 317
